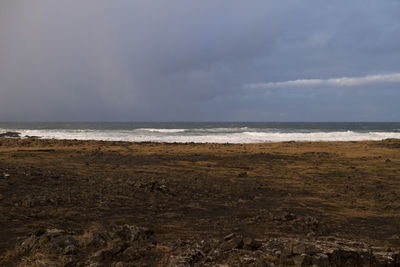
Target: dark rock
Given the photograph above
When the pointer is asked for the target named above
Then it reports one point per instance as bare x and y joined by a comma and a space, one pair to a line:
321, 260
118, 264
28, 244
127, 245
261, 263
32, 137
68, 261
40, 232
28, 203
242, 174
250, 243
288, 217
233, 243
187, 258
70, 249
118, 246
163, 189
100, 255
128, 253
131, 233
10, 135
95, 264
95, 240
311, 250
299, 249
229, 236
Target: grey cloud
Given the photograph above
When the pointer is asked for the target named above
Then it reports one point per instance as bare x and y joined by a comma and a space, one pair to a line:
185, 60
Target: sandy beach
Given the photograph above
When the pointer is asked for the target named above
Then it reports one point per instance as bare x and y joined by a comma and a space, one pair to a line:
185, 194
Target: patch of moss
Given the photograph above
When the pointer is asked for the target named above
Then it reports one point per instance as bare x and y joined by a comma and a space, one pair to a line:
290, 262
43, 241
153, 182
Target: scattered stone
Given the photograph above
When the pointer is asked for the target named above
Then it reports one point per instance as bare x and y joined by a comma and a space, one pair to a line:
95, 240
251, 243
288, 217
156, 186
28, 203
242, 174
128, 245
71, 249
229, 236
128, 252
187, 258
163, 189
312, 250
99, 255
298, 249
95, 264
131, 232
118, 264
235, 242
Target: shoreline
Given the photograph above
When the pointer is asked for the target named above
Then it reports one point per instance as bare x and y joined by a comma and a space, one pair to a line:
232, 135
17, 136
201, 191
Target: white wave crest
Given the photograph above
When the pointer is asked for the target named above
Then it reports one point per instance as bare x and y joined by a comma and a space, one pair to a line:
210, 137
161, 130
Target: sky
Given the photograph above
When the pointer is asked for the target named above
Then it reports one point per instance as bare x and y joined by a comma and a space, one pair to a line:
209, 60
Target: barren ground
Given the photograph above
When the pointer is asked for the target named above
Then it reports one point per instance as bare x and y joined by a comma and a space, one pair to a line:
201, 191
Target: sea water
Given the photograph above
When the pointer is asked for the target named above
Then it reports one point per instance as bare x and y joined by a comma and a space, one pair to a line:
203, 132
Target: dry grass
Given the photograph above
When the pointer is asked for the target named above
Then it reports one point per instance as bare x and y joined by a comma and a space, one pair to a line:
352, 188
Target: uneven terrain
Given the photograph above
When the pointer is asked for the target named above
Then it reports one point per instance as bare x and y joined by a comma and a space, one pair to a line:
237, 199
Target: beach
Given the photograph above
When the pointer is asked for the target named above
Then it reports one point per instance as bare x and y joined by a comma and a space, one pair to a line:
191, 192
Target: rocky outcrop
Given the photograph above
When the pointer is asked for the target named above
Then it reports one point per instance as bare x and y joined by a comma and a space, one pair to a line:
54, 247
337, 252
10, 135
129, 245
329, 251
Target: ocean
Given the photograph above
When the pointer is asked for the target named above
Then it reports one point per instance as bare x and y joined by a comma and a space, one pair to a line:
203, 132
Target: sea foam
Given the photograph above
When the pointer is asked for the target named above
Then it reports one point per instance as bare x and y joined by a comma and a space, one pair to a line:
211, 135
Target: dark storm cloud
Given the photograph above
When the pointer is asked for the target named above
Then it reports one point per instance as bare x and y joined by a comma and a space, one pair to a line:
198, 60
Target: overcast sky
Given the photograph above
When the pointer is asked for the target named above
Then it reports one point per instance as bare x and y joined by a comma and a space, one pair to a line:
208, 60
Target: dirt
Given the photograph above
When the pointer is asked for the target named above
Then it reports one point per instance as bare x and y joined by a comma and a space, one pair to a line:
202, 191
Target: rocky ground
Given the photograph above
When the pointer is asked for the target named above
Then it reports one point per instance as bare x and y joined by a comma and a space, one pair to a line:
129, 245
71, 203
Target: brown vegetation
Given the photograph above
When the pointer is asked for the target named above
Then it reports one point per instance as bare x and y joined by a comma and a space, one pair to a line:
202, 191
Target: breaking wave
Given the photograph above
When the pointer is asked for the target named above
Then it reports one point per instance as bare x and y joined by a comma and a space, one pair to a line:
205, 135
